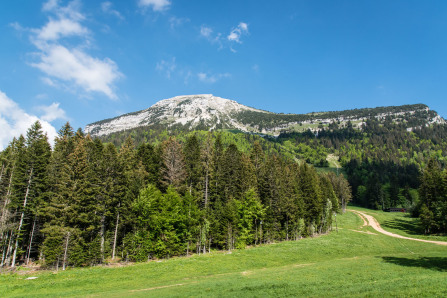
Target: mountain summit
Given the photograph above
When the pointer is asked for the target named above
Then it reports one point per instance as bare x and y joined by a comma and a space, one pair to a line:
208, 112
203, 111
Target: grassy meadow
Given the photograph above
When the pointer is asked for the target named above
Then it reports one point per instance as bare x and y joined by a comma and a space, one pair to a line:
355, 261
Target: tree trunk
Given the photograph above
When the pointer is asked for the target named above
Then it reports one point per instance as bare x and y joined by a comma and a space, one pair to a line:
8, 194
206, 188
256, 232
102, 237
116, 232
103, 219
209, 245
31, 241
21, 219
1, 174
229, 237
9, 249
65, 252
4, 250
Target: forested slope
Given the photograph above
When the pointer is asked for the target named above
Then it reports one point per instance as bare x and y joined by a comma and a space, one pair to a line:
386, 164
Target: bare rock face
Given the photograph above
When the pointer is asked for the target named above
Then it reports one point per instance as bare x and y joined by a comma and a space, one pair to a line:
205, 111
208, 112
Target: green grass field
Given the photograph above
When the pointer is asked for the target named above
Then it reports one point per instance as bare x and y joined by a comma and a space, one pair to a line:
348, 263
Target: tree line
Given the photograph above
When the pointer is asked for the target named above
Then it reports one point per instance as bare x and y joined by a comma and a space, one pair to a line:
86, 202
383, 161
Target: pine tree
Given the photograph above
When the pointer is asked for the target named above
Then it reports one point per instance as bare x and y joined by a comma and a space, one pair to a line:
37, 156
310, 190
55, 211
207, 159
113, 190
151, 160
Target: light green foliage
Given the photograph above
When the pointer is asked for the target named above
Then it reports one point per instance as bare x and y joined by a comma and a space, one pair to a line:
161, 221
250, 213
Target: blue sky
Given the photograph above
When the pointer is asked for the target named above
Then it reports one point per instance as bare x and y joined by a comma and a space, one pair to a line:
85, 61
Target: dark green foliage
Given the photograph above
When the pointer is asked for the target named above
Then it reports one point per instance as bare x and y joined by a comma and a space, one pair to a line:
85, 202
432, 207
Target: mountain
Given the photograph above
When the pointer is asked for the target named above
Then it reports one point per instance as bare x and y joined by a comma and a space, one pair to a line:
208, 112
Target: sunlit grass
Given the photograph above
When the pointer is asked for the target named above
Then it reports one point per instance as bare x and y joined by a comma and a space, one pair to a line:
344, 263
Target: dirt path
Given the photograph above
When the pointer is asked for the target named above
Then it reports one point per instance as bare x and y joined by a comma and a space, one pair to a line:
376, 226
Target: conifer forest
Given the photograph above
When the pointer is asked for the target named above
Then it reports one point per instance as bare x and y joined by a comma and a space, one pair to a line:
84, 201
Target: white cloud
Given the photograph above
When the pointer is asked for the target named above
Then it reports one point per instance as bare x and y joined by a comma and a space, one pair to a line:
55, 30
71, 11
243, 26
213, 78
52, 112
16, 26
49, 82
236, 33
167, 67
69, 63
107, 8
176, 22
14, 121
206, 31
74, 65
50, 5
157, 5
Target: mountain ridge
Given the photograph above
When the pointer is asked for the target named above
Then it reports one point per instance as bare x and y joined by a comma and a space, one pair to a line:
209, 112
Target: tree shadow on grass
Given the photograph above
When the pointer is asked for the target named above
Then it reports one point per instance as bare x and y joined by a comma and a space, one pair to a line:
411, 228
432, 263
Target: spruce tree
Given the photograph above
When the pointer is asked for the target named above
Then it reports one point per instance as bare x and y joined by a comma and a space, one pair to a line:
193, 167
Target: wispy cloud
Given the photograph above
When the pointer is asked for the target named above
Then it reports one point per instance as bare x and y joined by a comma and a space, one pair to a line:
166, 67
236, 33
156, 5
61, 61
16, 26
206, 31
108, 9
176, 22
170, 69
212, 78
234, 36
71, 11
15, 121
